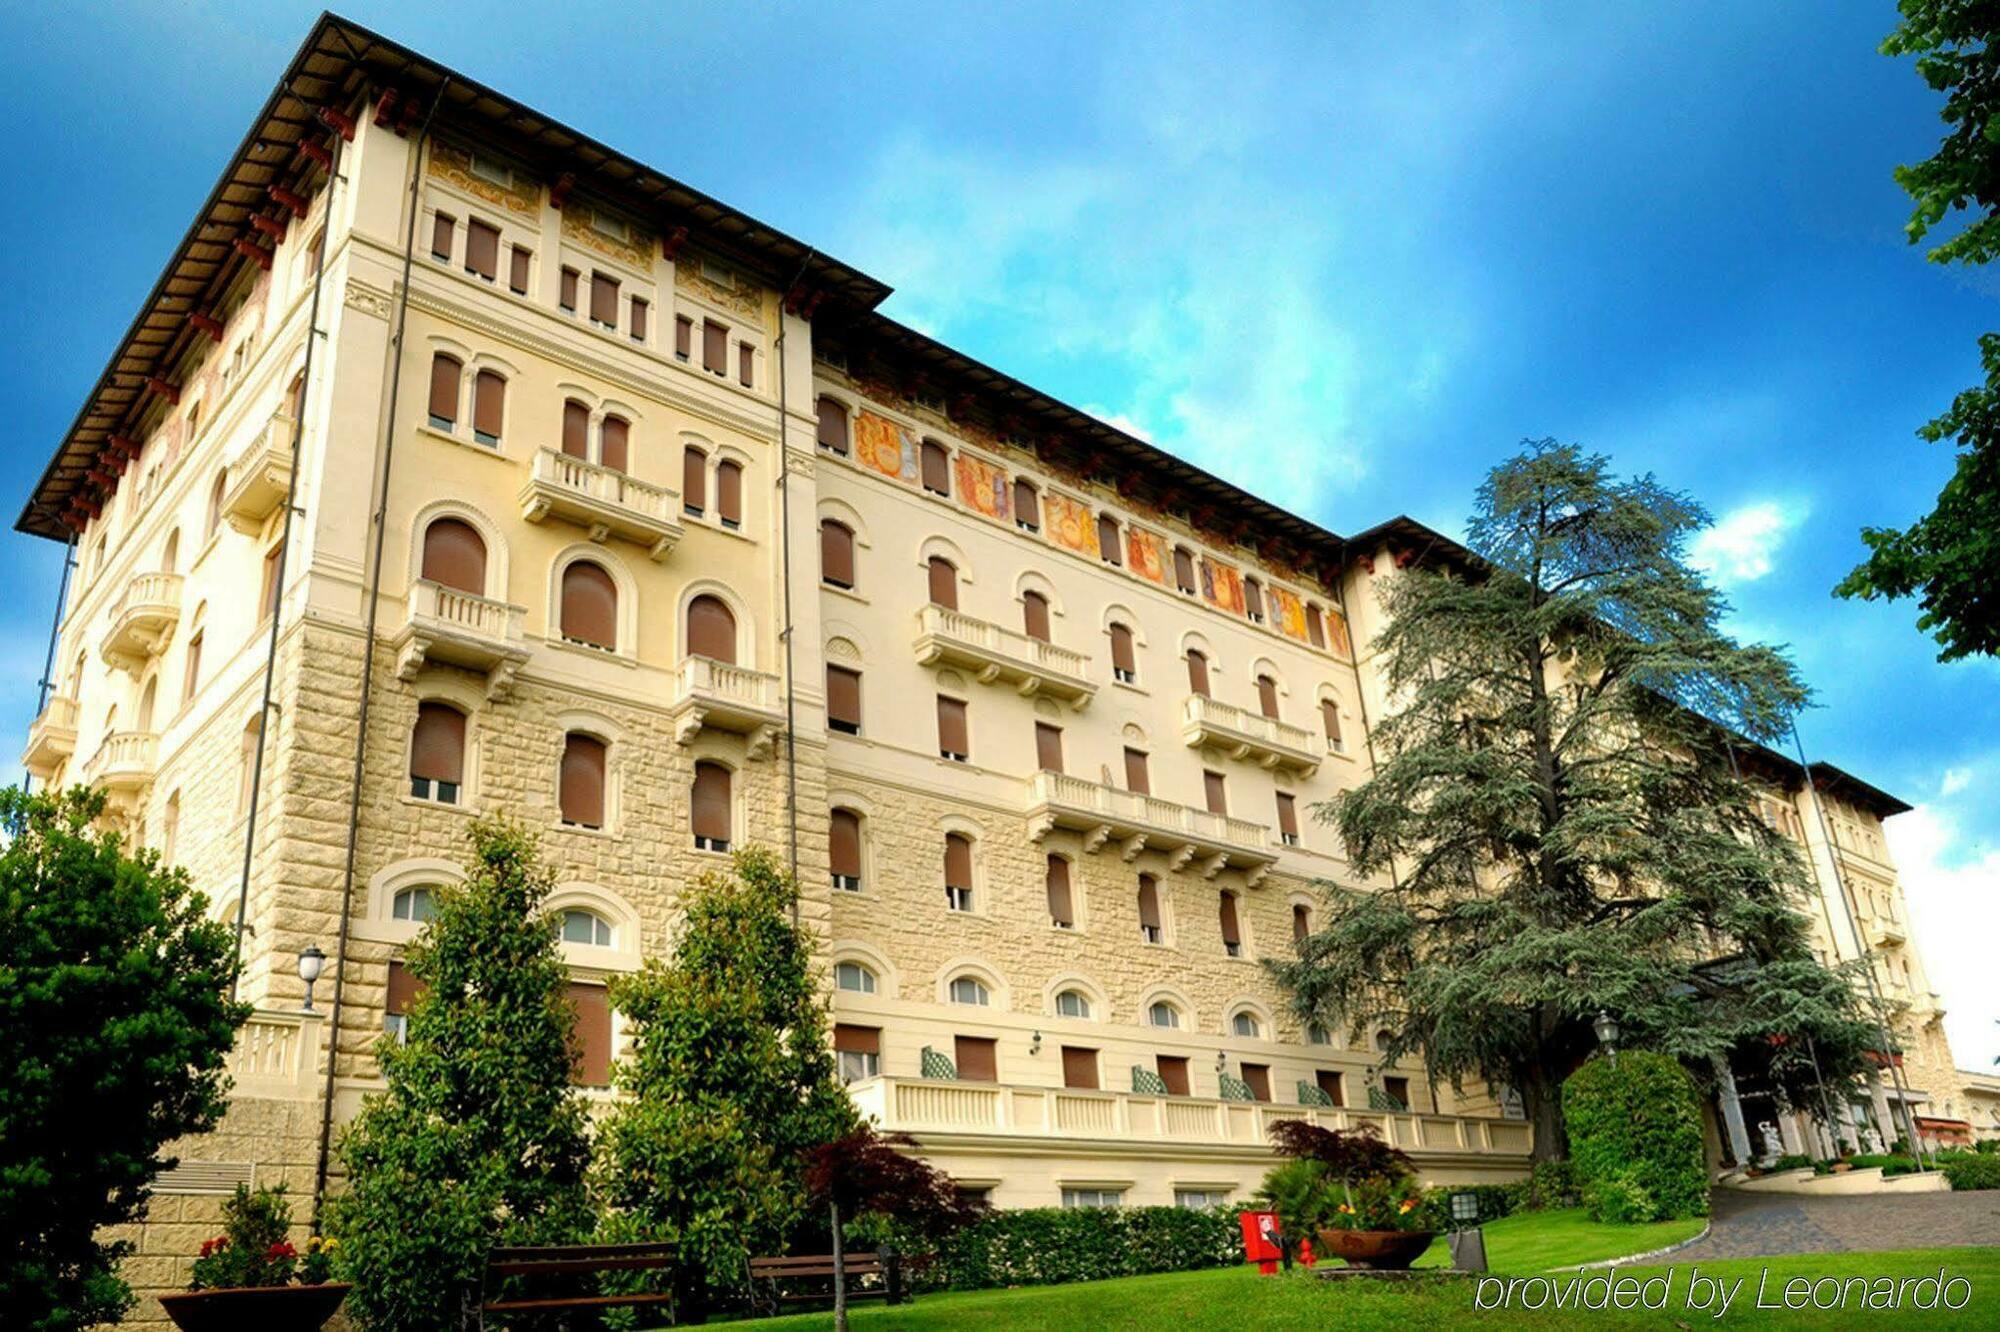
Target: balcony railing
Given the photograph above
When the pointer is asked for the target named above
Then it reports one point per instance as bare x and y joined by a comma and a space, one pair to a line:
602, 500
125, 761
261, 477
952, 638
722, 696
51, 737
142, 622
1139, 822
927, 1106
276, 1055
444, 624
1887, 933
1250, 735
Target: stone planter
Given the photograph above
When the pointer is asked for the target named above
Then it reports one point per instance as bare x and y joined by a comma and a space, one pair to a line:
255, 1308
1381, 1250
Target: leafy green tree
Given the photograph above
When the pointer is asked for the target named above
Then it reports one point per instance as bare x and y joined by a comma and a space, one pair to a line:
115, 1026
479, 1138
1950, 558
729, 1080
1564, 831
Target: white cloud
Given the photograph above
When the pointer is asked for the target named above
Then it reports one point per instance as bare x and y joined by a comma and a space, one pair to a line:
1119, 421
1742, 545
1954, 781
1954, 902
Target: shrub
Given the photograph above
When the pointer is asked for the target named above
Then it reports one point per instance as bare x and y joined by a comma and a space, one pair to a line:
1891, 1165
1620, 1199
254, 1248
1303, 1194
1053, 1245
1979, 1170
1495, 1201
1377, 1185
1549, 1184
1987, 1146
1640, 1118
1796, 1161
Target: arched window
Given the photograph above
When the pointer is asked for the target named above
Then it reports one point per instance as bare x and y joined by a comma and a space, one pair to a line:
1329, 717
1035, 615
576, 429
446, 371
853, 977
1197, 664
1163, 1014
1027, 506
586, 927
1062, 913
212, 519
711, 629
1301, 921
295, 395
147, 697
1073, 1004
1124, 660
729, 493
1232, 931
580, 783
191, 669
437, 753
1253, 600
170, 553
589, 606
1315, 625
246, 774
694, 481
416, 905
614, 443
489, 406
936, 468
455, 556
844, 849
1107, 539
710, 803
1149, 909
1383, 1038
1184, 569
1267, 696
958, 872
1246, 1024
970, 990
1318, 1035
833, 426
836, 553
943, 582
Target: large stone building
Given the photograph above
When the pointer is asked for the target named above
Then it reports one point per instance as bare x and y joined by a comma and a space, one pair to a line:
684, 546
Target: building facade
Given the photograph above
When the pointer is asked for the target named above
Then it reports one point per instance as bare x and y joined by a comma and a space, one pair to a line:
683, 547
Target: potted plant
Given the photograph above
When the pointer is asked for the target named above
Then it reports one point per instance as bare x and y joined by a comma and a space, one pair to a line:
252, 1276
1355, 1192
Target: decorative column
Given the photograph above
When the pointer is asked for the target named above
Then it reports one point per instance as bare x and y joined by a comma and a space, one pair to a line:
1788, 1126
1732, 1112
1885, 1121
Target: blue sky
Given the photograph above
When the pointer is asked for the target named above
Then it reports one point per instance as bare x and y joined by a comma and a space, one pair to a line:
1345, 256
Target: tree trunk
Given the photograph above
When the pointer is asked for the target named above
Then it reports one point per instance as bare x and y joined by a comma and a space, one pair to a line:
839, 1274
1541, 1092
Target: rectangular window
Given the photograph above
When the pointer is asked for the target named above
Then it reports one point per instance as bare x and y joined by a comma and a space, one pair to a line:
1079, 1067
935, 468
746, 363
843, 700
958, 872
639, 311
517, 271
1124, 660
1200, 1199
832, 429
272, 557
714, 347
683, 337
1149, 909
694, 481
859, 1051
954, 740
1232, 931
976, 1058
1107, 539
1329, 716
1397, 1090
482, 249
593, 1030
1184, 570
1329, 1082
1173, 1070
1062, 911
1074, 1198
604, 300
844, 849
1258, 1076
442, 227
1253, 600
445, 372
1288, 819
729, 493
566, 296
1136, 777
1027, 507
403, 991
581, 782
1048, 747
1217, 796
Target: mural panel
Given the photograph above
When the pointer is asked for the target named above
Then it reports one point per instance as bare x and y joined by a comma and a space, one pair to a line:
1070, 525
885, 446
983, 487
1146, 554
1222, 586
1287, 612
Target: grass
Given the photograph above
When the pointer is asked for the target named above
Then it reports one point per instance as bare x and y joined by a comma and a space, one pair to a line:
1538, 1241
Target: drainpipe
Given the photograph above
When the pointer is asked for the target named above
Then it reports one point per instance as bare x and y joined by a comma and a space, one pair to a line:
48, 680
378, 524
785, 585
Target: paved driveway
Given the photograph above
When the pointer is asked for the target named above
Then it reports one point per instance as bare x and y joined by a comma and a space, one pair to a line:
1756, 1225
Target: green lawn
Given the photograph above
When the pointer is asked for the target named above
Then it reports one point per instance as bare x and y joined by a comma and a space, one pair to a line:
1538, 1241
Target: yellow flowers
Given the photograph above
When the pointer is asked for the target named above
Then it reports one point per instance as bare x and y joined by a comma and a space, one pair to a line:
322, 1244
1408, 1205
1345, 1209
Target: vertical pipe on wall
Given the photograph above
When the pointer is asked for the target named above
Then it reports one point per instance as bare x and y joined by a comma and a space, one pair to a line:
48, 680
785, 585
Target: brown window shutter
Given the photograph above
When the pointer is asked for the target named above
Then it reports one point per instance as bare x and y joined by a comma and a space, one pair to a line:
683, 336
729, 492
482, 249
1258, 1076
952, 731
975, 1057
1197, 664
589, 605
1288, 815
1231, 932
1183, 569
1123, 658
746, 363
442, 227
1079, 1067
844, 843
715, 346
1329, 1082
843, 696
957, 861
694, 480
1107, 539
1315, 626
1048, 747
711, 630
437, 744
271, 588
576, 429
836, 553
517, 272
455, 556
445, 373
1267, 696
1035, 615
640, 309
567, 296
404, 988
1253, 598
833, 426
1027, 504
944, 583
857, 1040
1213, 789
936, 468
614, 443
1061, 911
582, 781
711, 802
1149, 901
489, 404
593, 1036
1173, 1071
1136, 776
1329, 716
604, 299
1301, 922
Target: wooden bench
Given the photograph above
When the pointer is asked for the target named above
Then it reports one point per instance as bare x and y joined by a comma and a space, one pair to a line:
531, 1261
886, 1266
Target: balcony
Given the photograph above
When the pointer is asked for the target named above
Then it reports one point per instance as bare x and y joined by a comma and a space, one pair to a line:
1250, 735
928, 1106
260, 478
124, 763
602, 500
949, 638
1140, 822
142, 622
51, 737
720, 696
459, 629
1887, 933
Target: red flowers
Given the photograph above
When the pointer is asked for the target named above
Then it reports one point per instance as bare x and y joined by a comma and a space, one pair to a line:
280, 1252
211, 1247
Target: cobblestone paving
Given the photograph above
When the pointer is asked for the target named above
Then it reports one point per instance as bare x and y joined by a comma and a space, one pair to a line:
1754, 1225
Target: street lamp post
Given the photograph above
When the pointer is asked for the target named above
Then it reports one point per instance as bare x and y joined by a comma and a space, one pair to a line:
311, 963
1607, 1030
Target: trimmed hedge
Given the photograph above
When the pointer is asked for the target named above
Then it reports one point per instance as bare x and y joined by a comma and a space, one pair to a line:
1042, 1246
1974, 1170
1635, 1134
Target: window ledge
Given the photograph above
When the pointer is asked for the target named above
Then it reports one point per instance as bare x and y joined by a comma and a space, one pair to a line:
849, 593
561, 644
498, 451
1132, 686
704, 523
604, 834
464, 807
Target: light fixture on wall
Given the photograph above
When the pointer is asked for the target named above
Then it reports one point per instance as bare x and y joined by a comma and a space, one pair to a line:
1221, 1060
311, 963
1607, 1030
1035, 1044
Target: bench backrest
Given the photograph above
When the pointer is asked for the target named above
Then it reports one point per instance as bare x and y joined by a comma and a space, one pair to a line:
817, 1264
558, 1259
